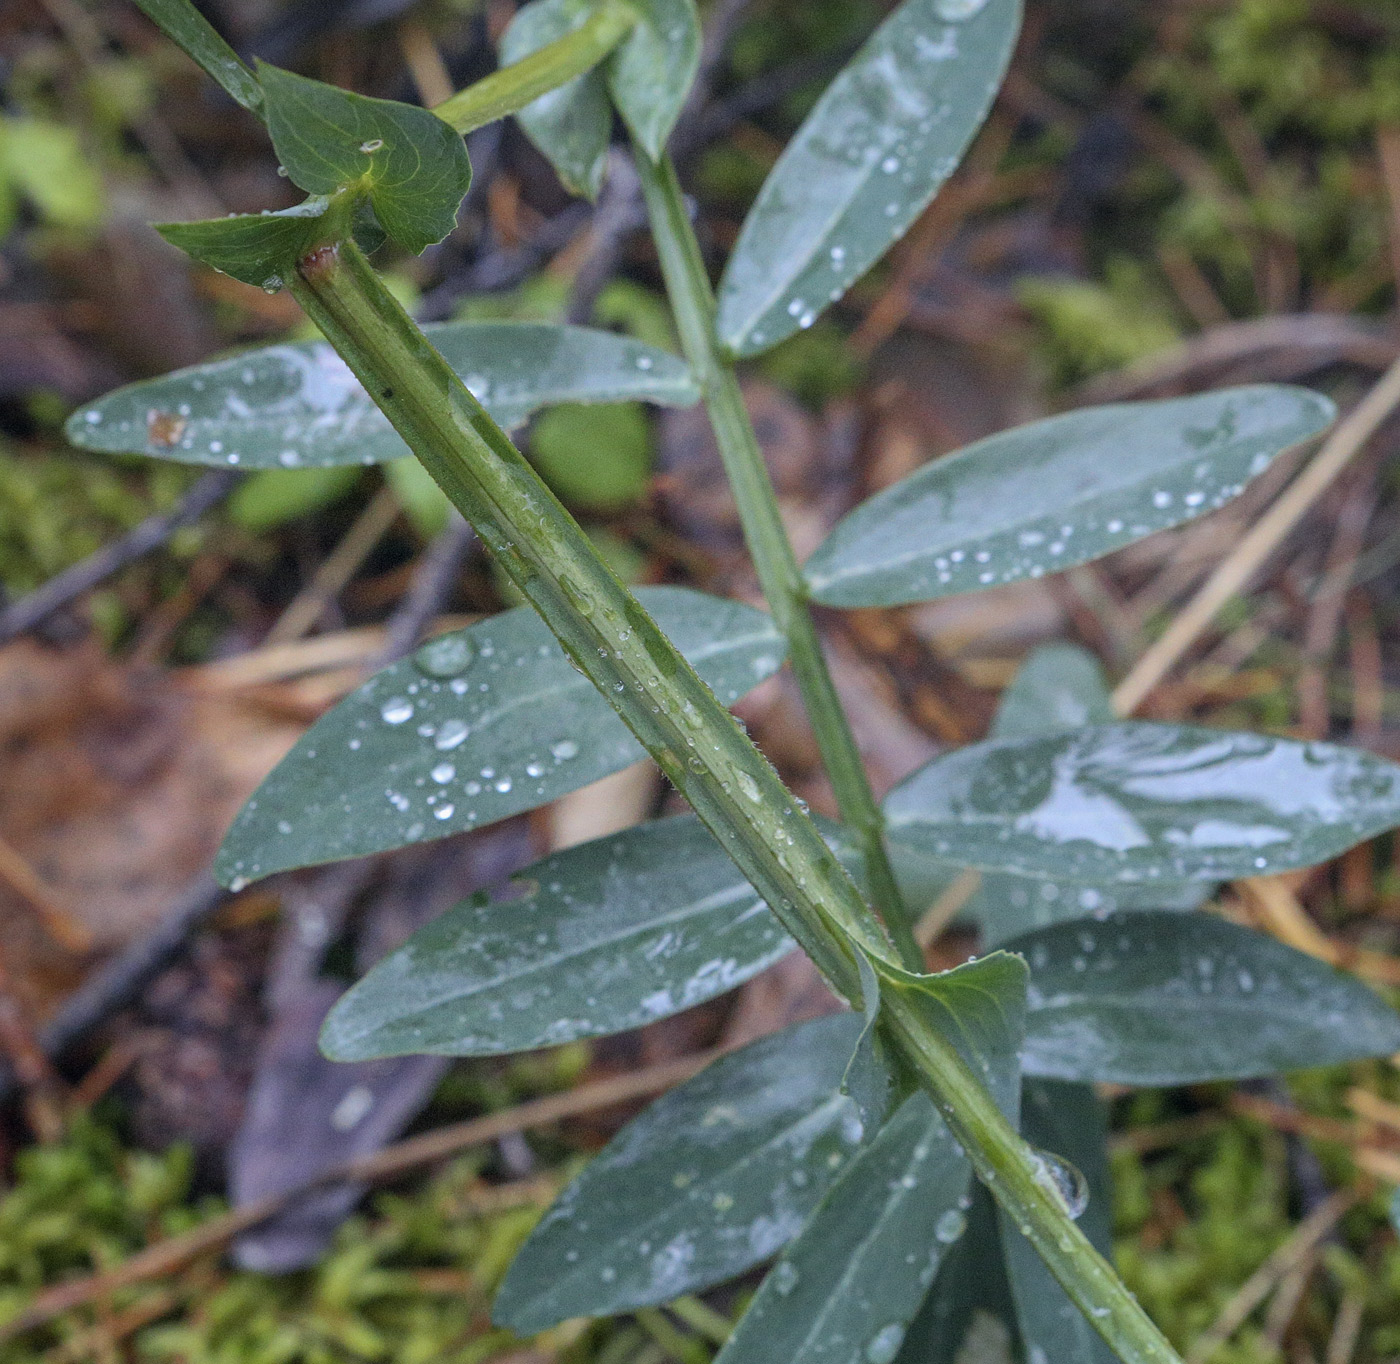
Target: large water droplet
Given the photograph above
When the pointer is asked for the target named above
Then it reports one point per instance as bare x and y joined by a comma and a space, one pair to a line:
884, 1344
446, 656
450, 734
1057, 1174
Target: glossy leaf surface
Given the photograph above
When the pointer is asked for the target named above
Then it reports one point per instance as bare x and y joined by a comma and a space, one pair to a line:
884, 136
1068, 1121
257, 248
1056, 493
298, 405
184, 25
1169, 999
711, 1180
846, 1289
571, 125
478, 725
650, 74
607, 936
1136, 802
1060, 687
413, 167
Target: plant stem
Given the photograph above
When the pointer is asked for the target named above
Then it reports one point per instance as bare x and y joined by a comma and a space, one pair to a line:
694, 740
513, 87
778, 573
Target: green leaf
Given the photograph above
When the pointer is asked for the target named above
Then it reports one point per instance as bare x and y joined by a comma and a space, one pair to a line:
423, 502
882, 139
1060, 687
1145, 803
650, 74
1068, 1121
571, 125
298, 405
606, 936
48, 163
190, 30
1056, 493
479, 725
273, 497
846, 1289
1155, 998
257, 248
869, 1078
413, 167
597, 458
712, 1179
980, 1007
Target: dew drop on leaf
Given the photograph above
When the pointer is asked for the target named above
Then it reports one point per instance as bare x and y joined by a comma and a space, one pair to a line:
446, 656
396, 710
884, 1344
950, 1226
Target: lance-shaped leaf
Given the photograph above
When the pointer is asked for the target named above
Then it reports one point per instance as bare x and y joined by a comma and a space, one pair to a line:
1056, 493
1068, 1122
1060, 687
478, 725
607, 936
650, 74
1154, 998
298, 405
711, 1180
887, 132
847, 1288
845, 1291
412, 166
571, 125
1136, 802
190, 30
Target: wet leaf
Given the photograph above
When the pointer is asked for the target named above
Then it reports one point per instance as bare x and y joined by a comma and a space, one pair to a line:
607, 936
1155, 998
571, 125
412, 166
882, 139
1056, 493
1069, 1121
1143, 803
650, 74
298, 405
184, 25
711, 1180
480, 724
257, 248
846, 1289
1060, 686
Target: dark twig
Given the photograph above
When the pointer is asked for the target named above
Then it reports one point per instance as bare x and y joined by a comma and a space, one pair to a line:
153, 532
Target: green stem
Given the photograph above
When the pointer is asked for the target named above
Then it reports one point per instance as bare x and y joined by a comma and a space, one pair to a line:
778, 573
694, 740
513, 87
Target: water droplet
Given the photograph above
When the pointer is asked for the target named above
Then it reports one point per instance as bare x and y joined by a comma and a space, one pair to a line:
396, 710
502, 784
564, 750
373, 145
446, 656
443, 773
785, 1277
288, 459
444, 812
884, 1344
534, 769
644, 362
748, 786
450, 734
950, 1226
1058, 1175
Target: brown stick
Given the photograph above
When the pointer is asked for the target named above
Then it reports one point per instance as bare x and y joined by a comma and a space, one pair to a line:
169, 1255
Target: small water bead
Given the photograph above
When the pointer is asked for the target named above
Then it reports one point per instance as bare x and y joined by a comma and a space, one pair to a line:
748, 786
444, 812
443, 773
564, 750
447, 656
502, 784
884, 1344
950, 1226
535, 769
396, 710
644, 362
784, 1277
451, 734
373, 145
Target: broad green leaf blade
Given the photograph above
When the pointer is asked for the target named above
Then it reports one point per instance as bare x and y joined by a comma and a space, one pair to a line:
298, 405
411, 165
1060, 687
980, 1007
257, 248
573, 124
886, 134
711, 1180
1155, 998
846, 1289
1145, 803
607, 936
1056, 493
195, 35
478, 725
1069, 1121
650, 74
